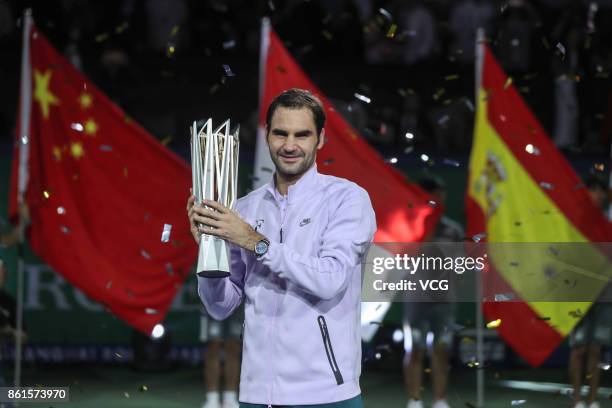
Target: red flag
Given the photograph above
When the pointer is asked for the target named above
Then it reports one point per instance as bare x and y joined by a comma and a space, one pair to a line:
100, 189
521, 189
403, 213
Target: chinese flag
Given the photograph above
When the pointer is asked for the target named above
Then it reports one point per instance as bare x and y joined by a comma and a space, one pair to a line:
521, 190
100, 189
403, 212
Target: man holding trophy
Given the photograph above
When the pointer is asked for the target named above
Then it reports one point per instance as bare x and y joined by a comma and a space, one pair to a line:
295, 252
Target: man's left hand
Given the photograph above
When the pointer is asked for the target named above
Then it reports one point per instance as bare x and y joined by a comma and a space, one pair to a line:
226, 224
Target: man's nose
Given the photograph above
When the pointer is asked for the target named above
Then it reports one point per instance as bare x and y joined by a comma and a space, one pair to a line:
290, 144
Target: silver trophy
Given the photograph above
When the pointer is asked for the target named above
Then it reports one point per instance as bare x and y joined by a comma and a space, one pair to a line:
214, 170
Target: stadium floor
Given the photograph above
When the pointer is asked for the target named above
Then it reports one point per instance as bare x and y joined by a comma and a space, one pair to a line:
104, 386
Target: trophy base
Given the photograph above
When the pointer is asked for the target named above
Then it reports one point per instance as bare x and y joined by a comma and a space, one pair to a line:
213, 274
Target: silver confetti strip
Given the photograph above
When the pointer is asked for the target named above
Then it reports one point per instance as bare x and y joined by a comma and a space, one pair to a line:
228, 70
145, 254
165, 237
545, 185
362, 98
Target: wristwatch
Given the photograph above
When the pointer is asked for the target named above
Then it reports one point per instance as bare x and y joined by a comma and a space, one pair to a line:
261, 247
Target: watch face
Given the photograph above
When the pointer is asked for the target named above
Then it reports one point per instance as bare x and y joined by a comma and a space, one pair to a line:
261, 248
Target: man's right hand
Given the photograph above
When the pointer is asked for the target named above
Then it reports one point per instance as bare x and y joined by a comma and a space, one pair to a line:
193, 224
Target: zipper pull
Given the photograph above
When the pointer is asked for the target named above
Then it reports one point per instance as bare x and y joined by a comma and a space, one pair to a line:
281, 235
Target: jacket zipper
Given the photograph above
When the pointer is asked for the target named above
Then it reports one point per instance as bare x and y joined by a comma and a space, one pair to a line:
331, 358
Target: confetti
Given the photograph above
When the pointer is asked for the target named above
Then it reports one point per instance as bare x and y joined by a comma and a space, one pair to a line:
170, 50
328, 36
101, 37
560, 50
46, 194
362, 98
145, 254
599, 166
424, 157
165, 237
118, 355
451, 77
469, 104
409, 149
517, 402
546, 186
432, 203
229, 44
169, 269
64, 229
439, 93
503, 297
378, 356
106, 148
494, 324
409, 136
77, 126
604, 366
24, 140
121, 28
228, 70
450, 162
479, 237
126, 394
392, 30
61, 210
393, 160
508, 83
531, 149
443, 119
271, 5
214, 88
385, 13
143, 388
151, 311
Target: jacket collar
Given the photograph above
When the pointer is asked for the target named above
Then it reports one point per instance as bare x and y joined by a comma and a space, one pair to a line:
299, 189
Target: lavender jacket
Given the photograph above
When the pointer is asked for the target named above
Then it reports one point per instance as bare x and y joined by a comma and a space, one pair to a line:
302, 298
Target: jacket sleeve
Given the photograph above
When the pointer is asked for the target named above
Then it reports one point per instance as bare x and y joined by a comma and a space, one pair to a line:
221, 296
344, 242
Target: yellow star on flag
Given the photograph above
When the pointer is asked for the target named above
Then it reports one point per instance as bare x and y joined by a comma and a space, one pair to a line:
85, 100
91, 127
42, 94
76, 150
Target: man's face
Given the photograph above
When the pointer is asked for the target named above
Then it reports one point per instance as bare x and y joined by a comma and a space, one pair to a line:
292, 140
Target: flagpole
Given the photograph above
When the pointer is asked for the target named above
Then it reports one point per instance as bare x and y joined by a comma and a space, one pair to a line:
24, 128
480, 378
262, 155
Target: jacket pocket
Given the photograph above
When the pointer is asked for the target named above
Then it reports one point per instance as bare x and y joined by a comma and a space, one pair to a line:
329, 350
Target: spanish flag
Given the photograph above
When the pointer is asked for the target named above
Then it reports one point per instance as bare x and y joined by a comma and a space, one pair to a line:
521, 190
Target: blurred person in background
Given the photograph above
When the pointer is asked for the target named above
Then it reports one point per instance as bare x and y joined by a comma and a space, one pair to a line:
594, 330
421, 318
222, 337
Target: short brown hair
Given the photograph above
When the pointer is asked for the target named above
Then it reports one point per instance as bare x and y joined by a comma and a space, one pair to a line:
296, 98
